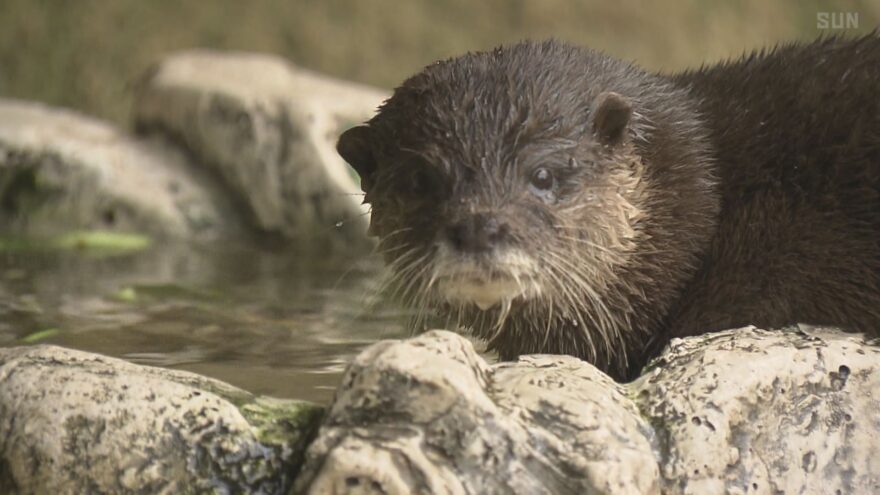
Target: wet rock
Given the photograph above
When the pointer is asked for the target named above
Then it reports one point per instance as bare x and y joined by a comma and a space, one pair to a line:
269, 130
741, 411
61, 171
74, 422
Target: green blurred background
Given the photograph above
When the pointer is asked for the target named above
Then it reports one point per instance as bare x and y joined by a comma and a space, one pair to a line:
86, 54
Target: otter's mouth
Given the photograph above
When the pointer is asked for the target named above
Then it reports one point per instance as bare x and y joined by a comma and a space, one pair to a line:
499, 276
481, 290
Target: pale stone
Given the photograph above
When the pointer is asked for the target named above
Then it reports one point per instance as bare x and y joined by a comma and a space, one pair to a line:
73, 422
62, 171
752, 411
428, 415
741, 411
269, 129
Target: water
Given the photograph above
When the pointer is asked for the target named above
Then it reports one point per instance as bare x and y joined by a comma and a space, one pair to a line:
274, 323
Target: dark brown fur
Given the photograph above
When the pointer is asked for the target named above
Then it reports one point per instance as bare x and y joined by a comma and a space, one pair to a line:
743, 193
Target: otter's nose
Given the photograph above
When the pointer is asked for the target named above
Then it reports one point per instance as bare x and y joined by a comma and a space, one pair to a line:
477, 233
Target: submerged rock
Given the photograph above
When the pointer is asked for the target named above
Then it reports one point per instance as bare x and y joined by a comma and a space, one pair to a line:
741, 411
269, 129
74, 422
61, 171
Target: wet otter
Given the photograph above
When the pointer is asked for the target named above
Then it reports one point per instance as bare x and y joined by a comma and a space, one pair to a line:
556, 200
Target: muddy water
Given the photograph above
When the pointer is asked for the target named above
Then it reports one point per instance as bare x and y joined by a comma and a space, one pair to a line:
273, 323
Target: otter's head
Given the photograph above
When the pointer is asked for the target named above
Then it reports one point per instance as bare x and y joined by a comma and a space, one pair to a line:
513, 191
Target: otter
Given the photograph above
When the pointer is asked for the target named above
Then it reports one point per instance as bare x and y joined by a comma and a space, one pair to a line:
553, 199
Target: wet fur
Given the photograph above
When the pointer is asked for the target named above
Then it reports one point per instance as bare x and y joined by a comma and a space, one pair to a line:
744, 193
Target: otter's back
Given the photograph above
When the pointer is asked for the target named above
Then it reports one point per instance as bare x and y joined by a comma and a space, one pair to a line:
796, 137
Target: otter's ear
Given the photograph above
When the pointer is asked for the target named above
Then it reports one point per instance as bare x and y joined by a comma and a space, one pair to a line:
354, 147
611, 114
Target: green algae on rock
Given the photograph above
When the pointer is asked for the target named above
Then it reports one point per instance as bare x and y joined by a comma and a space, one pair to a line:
109, 426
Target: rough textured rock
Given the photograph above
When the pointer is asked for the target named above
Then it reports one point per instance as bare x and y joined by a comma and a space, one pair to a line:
428, 415
742, 411
60, 171
269, 129
74, 422
750, 411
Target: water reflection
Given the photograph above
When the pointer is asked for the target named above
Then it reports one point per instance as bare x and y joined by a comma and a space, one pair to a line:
271, 322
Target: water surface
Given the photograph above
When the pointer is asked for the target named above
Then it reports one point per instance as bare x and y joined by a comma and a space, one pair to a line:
271, 322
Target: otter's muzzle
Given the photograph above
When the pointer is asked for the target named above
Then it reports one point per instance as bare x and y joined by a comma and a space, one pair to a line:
478, 233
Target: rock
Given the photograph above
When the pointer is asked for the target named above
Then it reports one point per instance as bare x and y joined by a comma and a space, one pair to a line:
74, 422
428, 415
61, 171
740, 411
751, 411
269, 129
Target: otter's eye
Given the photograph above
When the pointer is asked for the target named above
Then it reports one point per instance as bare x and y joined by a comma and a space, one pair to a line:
542, 179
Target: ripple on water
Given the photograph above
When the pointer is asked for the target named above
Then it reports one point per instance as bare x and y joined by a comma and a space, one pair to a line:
274, 323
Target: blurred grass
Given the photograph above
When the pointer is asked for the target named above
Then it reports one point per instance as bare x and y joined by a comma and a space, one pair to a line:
85, 54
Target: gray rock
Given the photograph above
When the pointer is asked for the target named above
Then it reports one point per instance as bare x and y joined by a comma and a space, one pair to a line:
74, 422
741, 411
269, 130
61, 171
